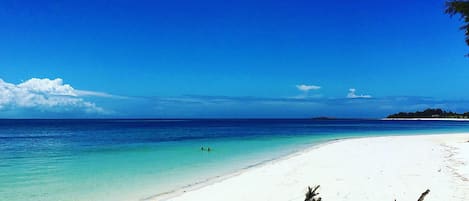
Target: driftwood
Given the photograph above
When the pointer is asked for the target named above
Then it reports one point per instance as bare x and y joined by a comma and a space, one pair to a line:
311, 194
423, 195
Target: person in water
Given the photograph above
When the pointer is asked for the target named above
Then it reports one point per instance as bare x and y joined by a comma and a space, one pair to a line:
203, 149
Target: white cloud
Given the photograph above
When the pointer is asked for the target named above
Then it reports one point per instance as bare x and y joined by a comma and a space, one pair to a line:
47, 86
306, 88
44, 95
351, 94
98, 94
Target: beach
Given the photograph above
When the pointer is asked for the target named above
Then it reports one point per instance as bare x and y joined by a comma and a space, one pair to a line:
373, 168
122, 160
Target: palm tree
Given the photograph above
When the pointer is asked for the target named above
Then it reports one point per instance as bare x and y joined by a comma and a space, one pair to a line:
460, 7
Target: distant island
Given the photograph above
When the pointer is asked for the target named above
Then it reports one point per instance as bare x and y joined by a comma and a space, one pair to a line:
429, 113
324, 118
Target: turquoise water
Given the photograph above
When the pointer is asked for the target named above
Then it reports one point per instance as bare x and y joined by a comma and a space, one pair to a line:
100, 160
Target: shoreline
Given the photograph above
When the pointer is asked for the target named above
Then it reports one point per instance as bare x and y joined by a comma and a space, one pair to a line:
423, 119
179, 194
166, 196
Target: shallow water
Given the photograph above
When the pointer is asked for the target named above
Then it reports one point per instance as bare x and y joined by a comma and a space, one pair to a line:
101, 160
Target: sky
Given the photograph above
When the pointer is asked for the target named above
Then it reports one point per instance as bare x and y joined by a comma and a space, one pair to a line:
229, 59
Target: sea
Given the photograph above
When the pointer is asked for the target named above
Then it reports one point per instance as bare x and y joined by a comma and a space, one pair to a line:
140, 159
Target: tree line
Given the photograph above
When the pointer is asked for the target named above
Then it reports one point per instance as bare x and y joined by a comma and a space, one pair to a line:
430, 113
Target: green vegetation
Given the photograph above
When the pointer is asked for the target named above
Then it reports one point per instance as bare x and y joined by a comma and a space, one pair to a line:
460, 7
430, 113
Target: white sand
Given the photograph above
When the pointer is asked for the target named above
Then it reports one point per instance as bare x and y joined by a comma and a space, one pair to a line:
366, 169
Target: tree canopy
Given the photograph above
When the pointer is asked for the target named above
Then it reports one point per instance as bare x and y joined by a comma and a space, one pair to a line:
430, 113
460, 7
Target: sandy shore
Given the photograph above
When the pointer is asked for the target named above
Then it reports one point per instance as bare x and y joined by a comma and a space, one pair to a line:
379, 168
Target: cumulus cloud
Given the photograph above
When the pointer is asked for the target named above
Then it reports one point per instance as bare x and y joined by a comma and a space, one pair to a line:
44, 95
351, 94
306, 88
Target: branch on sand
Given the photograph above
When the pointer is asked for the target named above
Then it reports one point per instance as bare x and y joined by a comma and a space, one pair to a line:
423, 195
311, 194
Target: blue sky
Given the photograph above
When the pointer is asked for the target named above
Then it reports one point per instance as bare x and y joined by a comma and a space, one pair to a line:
229, 58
